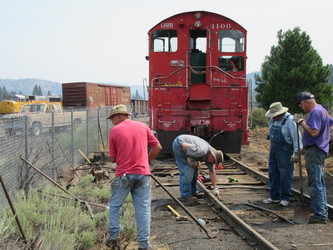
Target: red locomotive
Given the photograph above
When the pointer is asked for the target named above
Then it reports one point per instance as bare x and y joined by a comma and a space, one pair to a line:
197, 80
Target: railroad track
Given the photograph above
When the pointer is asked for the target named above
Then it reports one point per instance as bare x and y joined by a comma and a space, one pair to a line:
239, 211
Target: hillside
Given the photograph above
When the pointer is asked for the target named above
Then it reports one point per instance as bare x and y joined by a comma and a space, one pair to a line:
25, 86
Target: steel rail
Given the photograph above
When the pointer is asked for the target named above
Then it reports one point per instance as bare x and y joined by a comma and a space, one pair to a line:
264, 179
241, 227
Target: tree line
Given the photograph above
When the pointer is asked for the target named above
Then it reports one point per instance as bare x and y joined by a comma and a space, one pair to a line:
5, 95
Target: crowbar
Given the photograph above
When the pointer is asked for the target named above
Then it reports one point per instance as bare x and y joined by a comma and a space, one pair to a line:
209, 233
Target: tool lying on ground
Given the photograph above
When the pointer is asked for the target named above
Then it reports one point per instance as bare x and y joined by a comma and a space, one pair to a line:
209, 233
270, 211
302, 212
13, 210
232, 179
85, 157
178, 216
204, 178
63, 189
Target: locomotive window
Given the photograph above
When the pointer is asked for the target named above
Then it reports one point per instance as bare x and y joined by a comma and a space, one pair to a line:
231, 41
165, 41
231, 63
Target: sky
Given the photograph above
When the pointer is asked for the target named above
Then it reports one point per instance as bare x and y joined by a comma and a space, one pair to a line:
106, 41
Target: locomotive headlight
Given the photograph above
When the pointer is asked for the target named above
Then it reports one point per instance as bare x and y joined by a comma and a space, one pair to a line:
197, 24
198, 15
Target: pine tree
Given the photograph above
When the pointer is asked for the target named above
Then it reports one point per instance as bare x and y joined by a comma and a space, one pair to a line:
35, 90
40, 91
292, 67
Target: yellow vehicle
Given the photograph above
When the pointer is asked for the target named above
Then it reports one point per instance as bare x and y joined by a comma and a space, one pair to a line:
10, 106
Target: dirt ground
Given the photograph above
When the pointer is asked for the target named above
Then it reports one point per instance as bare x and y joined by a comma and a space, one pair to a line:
254, 155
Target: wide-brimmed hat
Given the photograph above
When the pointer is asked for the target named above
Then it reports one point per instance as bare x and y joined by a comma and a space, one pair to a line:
276, 109
217, 154
303, 96
118, 109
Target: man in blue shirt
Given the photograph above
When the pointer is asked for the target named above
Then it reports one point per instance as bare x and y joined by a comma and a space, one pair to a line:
316, 138
283, 152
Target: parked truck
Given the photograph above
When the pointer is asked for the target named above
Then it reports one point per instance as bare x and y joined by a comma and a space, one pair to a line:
40, 118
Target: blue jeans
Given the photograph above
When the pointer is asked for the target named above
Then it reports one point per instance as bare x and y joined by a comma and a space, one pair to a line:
139, 186
188, 175
314, 164
280, 172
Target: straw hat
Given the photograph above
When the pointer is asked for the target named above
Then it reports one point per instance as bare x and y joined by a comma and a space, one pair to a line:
118, 109
276, 109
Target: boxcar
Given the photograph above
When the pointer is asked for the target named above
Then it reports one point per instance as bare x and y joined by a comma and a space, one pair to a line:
86, 94
197, 80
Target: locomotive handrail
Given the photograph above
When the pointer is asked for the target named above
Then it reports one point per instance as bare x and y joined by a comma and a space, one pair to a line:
173, 121
224, 72
165, 77
191, 67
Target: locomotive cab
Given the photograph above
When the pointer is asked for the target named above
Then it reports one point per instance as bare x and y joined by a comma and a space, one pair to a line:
197, 80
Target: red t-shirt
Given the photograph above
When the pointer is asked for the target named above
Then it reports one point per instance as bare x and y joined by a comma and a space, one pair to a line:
128, 143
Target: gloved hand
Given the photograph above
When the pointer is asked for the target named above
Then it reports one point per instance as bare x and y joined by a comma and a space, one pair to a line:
295, 157
216, 192
192, 162
298, 120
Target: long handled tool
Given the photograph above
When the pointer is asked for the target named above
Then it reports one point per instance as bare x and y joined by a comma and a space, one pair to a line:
209, 233
269, 211
13, 210
302, 211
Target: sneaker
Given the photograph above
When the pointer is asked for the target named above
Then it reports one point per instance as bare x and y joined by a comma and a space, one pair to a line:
269, 200
113, 243
284, 203
316, 220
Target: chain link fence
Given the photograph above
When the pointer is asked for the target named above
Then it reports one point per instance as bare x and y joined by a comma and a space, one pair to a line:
51, 142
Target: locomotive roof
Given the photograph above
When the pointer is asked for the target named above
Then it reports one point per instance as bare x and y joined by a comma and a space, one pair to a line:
189, 13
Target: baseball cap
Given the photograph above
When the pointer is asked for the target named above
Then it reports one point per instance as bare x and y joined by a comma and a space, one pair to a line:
303, 96
218, 156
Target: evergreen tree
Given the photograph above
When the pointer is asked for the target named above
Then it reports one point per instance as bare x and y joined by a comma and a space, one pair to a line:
137, 96
40, 90
35, 90
3, 93
292, 67
330, 79
48, 93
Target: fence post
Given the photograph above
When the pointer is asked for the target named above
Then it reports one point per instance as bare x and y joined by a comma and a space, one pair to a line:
87, 135
72, 136
26, 149
26, 130
107, 120
52, 148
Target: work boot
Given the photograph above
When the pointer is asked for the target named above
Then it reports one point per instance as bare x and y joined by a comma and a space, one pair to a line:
316, 220
113, 243
199, 195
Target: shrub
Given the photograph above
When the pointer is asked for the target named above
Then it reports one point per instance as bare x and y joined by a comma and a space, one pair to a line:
258, 118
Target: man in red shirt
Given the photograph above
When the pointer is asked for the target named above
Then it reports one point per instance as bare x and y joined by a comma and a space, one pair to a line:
128, 147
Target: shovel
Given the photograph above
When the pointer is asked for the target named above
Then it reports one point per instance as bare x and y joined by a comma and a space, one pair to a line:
302, 211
